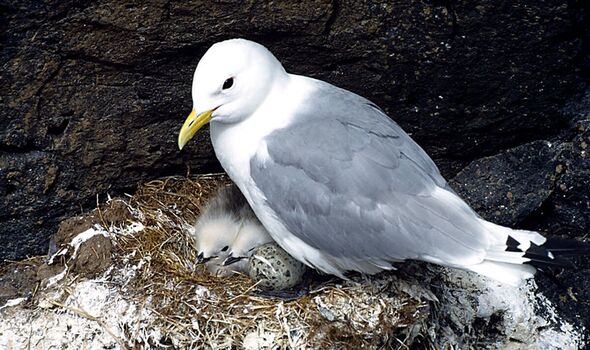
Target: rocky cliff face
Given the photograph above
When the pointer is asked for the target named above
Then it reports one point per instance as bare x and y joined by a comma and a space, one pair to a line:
92, 95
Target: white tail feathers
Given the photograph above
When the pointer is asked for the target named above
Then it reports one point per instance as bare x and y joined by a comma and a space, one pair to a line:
522, 236
505, 257
512, 274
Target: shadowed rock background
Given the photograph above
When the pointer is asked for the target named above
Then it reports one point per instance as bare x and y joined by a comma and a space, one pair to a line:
92, 95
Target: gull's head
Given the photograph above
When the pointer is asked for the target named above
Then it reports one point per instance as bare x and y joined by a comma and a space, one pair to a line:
231, 80
251, 235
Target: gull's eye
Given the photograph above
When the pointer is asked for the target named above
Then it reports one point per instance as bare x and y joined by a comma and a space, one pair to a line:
224, 248
229, 82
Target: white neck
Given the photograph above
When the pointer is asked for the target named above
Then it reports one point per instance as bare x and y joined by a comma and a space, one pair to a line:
236, 143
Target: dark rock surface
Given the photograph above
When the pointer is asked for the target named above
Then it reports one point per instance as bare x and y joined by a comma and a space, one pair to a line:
543, 186
506, 188
92, 95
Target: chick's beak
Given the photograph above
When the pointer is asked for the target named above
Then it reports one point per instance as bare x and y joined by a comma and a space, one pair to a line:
202, 260
232, 260
192, 124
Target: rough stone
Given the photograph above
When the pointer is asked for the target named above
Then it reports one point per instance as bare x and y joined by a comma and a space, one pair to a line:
510, 186
94, 257
17, 281
92, 93
549, 184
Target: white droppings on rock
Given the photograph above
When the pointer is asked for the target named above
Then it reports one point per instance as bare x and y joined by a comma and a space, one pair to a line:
12, 302
60, 252
526, 319
95, 315
86, 235
51, 281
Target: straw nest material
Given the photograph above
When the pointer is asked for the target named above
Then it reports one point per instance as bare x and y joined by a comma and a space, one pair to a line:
198, 309
192, 309
125, 277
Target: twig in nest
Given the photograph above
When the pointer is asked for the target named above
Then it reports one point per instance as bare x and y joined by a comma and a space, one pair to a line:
104, 223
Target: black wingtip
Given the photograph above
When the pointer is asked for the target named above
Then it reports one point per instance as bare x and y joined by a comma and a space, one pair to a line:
512, 245
540, 257
567, 247
552, 253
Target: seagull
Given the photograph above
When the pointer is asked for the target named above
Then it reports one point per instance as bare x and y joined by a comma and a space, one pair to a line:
336, 182
250, 236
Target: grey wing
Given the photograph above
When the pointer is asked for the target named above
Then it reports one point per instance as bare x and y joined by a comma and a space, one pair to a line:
350, 182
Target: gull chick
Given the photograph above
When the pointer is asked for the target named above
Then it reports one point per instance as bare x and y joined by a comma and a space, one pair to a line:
217, 227
250, 236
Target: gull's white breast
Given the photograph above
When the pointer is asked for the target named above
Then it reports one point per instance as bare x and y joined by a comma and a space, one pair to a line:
236, 144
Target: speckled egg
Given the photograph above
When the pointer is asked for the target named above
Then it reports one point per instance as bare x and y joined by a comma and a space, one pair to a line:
274, 269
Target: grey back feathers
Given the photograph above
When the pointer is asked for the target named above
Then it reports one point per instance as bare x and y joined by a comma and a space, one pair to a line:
348, 181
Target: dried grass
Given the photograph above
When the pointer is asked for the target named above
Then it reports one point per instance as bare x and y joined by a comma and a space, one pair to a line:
153, 295
196, 310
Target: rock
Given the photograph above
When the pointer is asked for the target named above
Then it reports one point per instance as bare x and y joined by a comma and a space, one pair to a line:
274, 269
92, 95
474, 311
17, 281
543, 186
510, 186
567, 211
94, 256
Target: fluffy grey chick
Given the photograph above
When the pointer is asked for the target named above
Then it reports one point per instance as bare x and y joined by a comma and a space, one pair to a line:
217, 227
250, 236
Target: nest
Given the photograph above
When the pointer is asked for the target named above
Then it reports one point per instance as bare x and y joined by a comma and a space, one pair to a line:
191, 308
125, 276
129, 270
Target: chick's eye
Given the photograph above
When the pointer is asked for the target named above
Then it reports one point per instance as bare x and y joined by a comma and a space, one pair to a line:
229, 82
224, 248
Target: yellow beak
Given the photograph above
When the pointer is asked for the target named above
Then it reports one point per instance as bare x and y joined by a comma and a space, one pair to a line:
191, 125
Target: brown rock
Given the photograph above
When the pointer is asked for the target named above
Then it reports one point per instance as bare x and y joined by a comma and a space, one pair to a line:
93, 257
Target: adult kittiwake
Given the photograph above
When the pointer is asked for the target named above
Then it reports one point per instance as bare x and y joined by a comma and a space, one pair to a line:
337, 183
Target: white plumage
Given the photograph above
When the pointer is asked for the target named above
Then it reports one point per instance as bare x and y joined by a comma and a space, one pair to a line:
250, 236
334, 180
